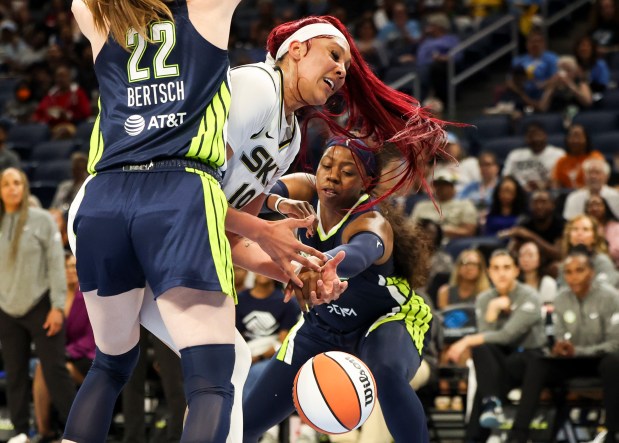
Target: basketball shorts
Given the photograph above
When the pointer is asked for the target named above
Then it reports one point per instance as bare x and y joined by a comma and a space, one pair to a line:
164, 227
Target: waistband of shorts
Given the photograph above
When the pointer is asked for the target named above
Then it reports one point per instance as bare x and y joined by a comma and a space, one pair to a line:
169, 164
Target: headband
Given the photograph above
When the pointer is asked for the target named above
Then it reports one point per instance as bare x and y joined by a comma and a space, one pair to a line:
304, 34
358, 148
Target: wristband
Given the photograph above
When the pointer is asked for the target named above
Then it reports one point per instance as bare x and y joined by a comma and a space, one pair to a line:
277, 202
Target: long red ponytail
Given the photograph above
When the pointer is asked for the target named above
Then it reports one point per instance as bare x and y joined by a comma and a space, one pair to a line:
376, 111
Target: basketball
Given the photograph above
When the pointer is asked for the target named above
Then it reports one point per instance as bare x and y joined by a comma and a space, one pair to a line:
334, 392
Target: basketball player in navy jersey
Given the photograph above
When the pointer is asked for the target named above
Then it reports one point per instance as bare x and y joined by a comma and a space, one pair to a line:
380, 319
153, 208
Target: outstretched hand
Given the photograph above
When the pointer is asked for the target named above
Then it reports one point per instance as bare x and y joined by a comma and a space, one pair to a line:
298, 209
318, 287
279, 241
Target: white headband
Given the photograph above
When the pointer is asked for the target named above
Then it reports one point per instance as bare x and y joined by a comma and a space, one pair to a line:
304, 34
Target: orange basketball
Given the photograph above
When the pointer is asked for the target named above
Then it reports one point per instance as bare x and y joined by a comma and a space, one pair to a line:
334, 392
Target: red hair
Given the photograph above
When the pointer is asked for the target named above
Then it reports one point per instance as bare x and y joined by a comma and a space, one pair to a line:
375, 111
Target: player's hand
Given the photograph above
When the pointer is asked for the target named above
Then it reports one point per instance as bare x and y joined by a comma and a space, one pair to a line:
299, 209
279, 241
53, 321
329, 286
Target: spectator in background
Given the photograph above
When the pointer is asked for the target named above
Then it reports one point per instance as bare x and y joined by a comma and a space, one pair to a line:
480, 191
598, 208
532, 265
79, 351
466, 168
370, 47
586, 324
596, 173
604, 28
468, 279
458, 218
594, 68
67, 189
532, 165
566, 91
61, 221
12, 48
509, 203
538, 63
32, 299
510, 335
21, 107
583, 230
542, 226
513, 98
400, 35
568, 172
66, 101
440, 261
264, 320
8, 159
432, 55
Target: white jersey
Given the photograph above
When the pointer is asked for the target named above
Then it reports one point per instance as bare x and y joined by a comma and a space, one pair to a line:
264, 142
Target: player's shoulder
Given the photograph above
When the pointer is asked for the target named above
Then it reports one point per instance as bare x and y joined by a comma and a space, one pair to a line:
255, 75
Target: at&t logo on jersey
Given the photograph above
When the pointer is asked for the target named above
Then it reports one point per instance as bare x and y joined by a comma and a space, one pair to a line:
134, 125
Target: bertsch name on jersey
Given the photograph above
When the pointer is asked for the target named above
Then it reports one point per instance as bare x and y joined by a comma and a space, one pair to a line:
148, 95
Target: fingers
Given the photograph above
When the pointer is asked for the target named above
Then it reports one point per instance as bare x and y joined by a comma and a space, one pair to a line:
289, 270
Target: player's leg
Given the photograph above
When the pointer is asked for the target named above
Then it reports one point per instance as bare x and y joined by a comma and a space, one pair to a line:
269, 401
391, 355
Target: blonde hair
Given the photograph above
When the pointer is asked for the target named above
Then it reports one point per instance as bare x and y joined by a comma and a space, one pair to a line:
599, 242
22, 211
482, 282
122, 15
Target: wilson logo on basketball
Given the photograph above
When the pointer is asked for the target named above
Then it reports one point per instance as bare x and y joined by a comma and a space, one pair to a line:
334, 392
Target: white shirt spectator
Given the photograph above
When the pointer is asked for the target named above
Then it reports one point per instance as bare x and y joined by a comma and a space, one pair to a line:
530, 168
576, 200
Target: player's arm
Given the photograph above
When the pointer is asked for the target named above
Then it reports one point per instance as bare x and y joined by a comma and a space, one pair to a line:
85, 21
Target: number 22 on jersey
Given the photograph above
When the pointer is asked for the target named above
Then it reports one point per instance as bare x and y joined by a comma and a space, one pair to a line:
160, 32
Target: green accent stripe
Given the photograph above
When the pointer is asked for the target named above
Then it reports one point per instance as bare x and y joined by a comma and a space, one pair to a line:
208, 145
95, 152
415, 313
326, 235
215, 207
281, 354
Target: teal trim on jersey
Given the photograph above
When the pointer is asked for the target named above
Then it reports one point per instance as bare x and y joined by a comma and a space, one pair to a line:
414, 312
321, 233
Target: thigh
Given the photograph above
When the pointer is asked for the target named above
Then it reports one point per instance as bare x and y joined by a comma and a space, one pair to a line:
390, 346
115, 320
15, 340
178, 231
194, 317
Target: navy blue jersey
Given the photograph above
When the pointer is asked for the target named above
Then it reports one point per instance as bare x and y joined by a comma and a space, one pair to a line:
158, 100
374, 296
263, 317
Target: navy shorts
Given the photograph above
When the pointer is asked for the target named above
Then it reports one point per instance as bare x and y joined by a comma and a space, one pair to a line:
164, 227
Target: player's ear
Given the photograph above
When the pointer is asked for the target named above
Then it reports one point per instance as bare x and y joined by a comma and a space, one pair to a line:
295, 50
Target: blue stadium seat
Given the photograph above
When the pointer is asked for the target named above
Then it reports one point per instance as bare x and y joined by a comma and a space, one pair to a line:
23, 137
44, 191
53, 171
486, 128
610, 100
551, 122
557, 140
53, 150
503, 146
596, 122
606, 142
